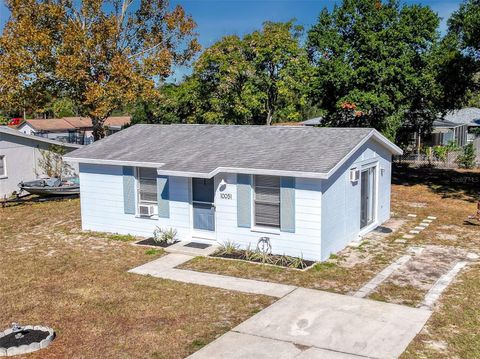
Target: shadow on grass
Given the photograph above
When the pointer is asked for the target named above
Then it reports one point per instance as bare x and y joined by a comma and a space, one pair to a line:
449, 183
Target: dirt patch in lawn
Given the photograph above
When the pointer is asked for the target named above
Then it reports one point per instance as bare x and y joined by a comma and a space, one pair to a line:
409, 284
77, 283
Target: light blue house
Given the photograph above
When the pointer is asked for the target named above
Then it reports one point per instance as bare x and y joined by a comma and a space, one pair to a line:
309, 190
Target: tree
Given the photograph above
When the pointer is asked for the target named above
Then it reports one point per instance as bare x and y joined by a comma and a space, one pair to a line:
468, 158
460, 71
51, 163
374, 65
103, 54
63, 107
260, 78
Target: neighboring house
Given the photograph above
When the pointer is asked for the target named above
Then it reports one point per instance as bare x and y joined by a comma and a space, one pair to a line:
309, 190
469, 117
71, 129
445, 132
317, 121
19, 157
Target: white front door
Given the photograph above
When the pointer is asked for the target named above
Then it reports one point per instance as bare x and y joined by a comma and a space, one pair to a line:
367, 197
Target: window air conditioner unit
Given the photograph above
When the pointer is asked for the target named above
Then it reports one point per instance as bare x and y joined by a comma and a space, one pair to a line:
354, 175
146, 210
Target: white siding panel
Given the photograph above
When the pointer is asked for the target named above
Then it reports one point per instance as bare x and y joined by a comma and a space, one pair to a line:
341, 199
101, 197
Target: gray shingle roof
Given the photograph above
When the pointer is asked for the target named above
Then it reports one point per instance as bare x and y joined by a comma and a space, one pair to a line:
468, 115
202, 149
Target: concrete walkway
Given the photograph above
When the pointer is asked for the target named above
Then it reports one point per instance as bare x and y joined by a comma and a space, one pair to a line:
164, 267
309, 323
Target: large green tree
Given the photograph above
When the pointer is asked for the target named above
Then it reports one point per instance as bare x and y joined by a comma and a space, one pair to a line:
258, 79
375, 65
102, 54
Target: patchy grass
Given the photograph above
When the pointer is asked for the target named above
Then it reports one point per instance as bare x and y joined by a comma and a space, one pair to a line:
399, 294
77, 283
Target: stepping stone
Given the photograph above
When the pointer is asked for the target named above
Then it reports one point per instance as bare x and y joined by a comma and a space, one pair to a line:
400, 240
408, 236
418, 228
431, 217
414, 232
411, 215
472, 256
424, 224
416, 250
427, 221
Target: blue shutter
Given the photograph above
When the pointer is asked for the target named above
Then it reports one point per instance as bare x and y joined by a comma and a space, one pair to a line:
244, 200
287, 204
128, 190
163, 197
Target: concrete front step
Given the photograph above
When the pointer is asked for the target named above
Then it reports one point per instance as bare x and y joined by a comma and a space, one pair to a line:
181, 249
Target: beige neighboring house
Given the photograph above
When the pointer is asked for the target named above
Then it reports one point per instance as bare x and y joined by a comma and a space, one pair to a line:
19, 157
71, 129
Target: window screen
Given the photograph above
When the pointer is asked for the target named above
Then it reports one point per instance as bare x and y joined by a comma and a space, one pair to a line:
147, 185
267, 201
2, 166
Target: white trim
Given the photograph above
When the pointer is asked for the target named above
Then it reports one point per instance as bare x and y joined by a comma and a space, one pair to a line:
113, 162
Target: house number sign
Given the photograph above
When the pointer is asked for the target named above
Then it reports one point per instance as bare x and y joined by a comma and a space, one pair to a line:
226, 196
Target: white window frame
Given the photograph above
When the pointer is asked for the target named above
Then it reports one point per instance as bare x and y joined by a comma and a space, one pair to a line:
3, 158
261, 226
139, 201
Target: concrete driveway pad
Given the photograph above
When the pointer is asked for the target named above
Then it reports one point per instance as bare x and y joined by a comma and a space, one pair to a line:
322, 325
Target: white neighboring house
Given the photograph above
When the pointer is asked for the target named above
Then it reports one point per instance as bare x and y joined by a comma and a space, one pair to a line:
310, 190
19, 156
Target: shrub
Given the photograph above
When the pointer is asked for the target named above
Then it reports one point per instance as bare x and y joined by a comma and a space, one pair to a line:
468, 158
228, 248
165, 236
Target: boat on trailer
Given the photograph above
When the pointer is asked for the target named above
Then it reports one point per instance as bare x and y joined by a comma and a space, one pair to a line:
52, 186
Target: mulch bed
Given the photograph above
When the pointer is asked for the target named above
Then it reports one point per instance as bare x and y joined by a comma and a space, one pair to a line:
271, 259
151, 242
29, 337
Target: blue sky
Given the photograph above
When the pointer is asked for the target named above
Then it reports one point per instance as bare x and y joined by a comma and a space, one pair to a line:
216, 18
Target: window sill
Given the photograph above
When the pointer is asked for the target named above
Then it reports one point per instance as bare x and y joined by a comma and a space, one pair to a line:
265, 230
152, 218
3, 177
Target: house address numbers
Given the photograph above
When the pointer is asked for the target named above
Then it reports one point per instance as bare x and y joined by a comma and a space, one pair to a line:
226, 196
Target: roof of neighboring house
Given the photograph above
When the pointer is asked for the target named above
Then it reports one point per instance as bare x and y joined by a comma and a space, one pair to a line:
72, 123
312, 121
445, 124
51, 124
468, 115
17, 133
205, 150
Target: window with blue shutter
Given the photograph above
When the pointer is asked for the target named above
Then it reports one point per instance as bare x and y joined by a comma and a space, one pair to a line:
244, 200
163, 197
129, 206
287, 204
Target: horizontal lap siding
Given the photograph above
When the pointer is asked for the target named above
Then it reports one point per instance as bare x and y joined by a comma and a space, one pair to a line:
101, 197
341, 199
304, 242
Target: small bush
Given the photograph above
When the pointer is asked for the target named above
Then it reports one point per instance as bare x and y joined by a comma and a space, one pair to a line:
468, 158
165, 236
122, 237
228, 248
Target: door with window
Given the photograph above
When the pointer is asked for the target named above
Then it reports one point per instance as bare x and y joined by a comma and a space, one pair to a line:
368, 196
203, 198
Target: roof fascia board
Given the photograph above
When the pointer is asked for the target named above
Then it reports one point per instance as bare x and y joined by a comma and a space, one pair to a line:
112, 162
373, 134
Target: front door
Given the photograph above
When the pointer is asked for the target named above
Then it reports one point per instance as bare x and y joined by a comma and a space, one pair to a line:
203, 194
367, 204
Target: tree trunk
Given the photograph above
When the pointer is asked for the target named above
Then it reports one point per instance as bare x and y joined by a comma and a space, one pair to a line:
269, 117
98, 129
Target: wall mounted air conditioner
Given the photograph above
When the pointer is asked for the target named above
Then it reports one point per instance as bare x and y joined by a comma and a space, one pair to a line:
146, 210
354, 175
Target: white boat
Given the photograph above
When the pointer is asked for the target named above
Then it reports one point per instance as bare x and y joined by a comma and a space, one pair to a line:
52, 186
